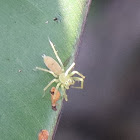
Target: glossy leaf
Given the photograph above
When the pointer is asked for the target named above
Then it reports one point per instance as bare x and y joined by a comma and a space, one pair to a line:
25, 26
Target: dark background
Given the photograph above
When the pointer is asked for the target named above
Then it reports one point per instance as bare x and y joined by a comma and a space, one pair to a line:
108, 108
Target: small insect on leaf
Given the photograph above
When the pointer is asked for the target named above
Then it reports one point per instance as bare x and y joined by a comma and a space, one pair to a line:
55, 19
43, 135
54, 97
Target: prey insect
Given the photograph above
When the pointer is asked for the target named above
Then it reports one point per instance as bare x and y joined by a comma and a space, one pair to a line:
43, 135
64, 79
54, 98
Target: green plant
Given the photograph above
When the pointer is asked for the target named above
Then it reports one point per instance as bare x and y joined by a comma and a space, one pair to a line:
24, 30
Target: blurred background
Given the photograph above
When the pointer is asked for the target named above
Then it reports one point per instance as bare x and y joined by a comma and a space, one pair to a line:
108, 108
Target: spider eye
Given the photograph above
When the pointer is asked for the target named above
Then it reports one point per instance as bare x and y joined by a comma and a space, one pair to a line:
66, 83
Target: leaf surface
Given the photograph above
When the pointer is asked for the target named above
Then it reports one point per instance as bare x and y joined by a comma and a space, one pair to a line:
25, 26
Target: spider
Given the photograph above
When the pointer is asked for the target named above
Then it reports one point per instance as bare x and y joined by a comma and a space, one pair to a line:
64, 79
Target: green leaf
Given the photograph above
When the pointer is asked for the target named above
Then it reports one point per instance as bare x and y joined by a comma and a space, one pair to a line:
25, 26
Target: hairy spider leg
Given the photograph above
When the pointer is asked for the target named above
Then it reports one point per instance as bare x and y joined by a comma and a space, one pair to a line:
78, 79
55, 52
69, 69
38, 68
54, 80
56, 89
78, 73
64, 93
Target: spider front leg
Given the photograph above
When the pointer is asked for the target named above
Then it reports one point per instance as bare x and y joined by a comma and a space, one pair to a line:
79, 79
54, 80
69, 69
78, 73
55, 52
64, 93
38, 68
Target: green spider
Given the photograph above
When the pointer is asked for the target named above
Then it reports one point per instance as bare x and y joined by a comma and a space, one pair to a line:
64, 79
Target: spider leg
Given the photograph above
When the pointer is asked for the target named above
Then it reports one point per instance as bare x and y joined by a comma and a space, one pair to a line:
79, 79
55, 52
78, 73
54, 80
64, 93
38, 68
57, 86
69, 69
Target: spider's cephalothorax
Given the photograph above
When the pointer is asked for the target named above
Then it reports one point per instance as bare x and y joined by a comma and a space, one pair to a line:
64, 79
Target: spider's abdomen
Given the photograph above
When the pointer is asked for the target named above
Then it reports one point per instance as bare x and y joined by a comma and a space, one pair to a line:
52, 65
